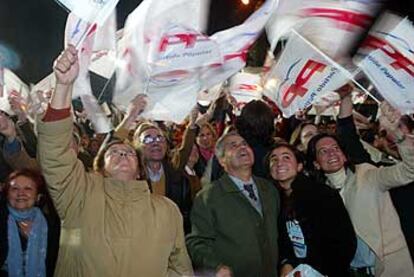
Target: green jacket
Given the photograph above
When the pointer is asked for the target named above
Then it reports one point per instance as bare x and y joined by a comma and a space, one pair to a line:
227, 230
109, 227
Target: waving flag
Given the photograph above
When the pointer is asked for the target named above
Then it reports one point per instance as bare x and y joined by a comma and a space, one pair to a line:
8, 59
97, 39
332, 26
387, 58
91, 11
12, 82
166, 55
245, 87
90, 14
300, 76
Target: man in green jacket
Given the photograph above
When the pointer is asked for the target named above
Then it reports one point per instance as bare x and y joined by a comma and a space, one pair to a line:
234, 219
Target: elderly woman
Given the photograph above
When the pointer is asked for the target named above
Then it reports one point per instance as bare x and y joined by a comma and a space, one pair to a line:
23, 226
314, 225
111, 224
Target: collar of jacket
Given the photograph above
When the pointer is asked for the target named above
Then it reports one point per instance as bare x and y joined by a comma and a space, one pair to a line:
337, 180
126, 191
229, 186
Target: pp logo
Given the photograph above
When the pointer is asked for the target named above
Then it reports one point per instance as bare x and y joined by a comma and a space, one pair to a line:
298, 87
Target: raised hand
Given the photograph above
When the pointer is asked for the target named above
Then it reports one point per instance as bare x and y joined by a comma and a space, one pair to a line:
193, 116
18, 105
135, 108
390, 120
345, 90
7, 127
66, 66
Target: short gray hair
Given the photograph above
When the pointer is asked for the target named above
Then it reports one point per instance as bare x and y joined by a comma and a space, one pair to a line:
219, 151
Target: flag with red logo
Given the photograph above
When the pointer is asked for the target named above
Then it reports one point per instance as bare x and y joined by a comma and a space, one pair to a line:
93, 39
245, 87
387, 58
332, 26
165, 54
302, 74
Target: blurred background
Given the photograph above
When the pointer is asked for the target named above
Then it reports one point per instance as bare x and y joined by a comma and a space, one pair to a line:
34, 29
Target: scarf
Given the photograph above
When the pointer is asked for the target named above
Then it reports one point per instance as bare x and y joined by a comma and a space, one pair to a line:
206, 153
32, 262
337, 180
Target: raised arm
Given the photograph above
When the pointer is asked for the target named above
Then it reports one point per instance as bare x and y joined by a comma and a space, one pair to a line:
14, 153
403, 172
346, 130
64, 173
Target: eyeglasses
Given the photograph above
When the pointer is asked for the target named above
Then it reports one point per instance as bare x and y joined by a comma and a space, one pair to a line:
122, 153
149, 139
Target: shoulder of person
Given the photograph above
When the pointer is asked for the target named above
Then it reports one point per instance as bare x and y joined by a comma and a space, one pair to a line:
161, 202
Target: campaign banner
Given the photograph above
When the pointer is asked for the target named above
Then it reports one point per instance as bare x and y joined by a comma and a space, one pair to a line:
8, 59
97, 38
332, 26
194, 62
387, 58
301, 74
180, 48
245, 87
91, 11
12, 83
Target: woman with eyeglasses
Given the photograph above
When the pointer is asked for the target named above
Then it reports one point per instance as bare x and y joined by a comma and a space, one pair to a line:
314, 225
28, 244
111, 224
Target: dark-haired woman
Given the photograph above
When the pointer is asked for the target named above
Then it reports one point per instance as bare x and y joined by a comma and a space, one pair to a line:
381, 248
315, 228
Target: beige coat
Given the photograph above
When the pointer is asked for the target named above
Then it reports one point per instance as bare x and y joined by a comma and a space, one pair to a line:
372, 213
109, 228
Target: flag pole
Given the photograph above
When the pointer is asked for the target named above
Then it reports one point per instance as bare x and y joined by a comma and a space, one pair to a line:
340, 67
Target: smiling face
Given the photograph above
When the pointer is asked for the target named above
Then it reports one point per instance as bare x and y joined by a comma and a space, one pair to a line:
329, 156
284, 166
22, 193
121, 162
237, 154
153, 145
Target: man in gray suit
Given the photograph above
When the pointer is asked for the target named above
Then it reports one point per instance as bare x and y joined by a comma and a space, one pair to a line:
234, 219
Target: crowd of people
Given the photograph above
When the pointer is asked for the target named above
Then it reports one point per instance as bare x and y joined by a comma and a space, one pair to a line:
220, 195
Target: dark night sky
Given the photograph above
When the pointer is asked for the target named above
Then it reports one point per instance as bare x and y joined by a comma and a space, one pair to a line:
34, 28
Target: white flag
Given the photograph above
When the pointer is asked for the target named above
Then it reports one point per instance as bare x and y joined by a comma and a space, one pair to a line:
169, 58
331, 25
245, 87
387, 58
97, 39
300, 76
12, 82
91, 11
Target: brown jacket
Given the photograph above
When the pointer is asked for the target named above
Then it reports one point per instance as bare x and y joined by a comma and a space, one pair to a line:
109, 227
